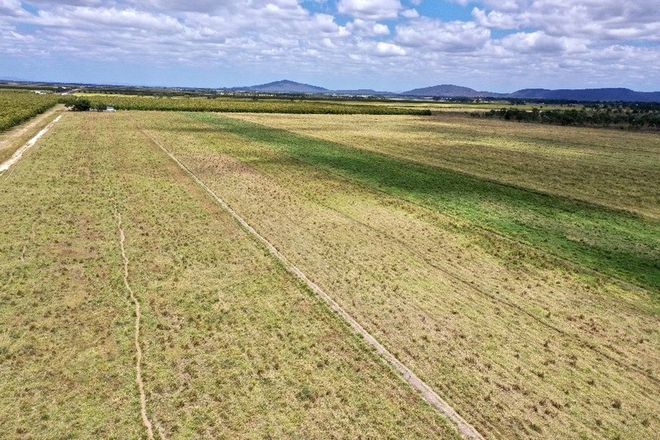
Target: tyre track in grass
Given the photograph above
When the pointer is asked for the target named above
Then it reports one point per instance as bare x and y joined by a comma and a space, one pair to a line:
138, 349
466, 430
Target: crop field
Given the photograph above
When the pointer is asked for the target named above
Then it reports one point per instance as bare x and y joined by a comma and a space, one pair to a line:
294, 106
18, 106
513, 268
606, 167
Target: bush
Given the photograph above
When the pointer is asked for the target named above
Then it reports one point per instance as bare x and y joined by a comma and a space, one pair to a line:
79, 105
630, 116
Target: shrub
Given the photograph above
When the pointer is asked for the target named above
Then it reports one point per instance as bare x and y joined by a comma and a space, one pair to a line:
79, 104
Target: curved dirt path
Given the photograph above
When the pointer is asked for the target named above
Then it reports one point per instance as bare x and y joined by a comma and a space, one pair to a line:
466, 430
138, 349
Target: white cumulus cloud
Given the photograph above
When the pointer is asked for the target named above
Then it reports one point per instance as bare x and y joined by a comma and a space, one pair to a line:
370, 9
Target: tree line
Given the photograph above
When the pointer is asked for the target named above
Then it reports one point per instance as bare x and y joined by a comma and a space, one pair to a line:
635, 116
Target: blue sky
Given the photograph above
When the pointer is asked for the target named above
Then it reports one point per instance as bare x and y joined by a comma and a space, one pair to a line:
499, 45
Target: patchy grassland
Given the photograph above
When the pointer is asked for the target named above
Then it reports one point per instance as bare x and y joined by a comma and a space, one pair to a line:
436, 234
614, 243
233, 346
615, 169
521, 343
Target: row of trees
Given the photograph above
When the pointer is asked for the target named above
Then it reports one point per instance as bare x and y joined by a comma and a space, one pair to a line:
643, 116
240, 105
18, 106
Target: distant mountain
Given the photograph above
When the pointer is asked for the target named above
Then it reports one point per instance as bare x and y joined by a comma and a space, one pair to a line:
454, 91
440, 91
291, 87
450, 91
584, 95
362, 92
284, 86
615, 94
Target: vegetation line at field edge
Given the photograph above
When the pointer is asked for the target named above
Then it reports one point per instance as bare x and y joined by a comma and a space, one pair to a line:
138, 316
466, 430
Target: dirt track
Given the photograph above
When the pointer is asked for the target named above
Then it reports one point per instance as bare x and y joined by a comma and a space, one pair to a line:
16, 156
14, 138
138, 349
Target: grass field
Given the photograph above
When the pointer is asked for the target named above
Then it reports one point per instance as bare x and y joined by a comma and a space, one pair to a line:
514, 268
521, 343
615, 243
607, 167
233, 345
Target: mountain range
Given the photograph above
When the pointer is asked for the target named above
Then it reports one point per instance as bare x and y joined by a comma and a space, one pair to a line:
285, 86
453, 91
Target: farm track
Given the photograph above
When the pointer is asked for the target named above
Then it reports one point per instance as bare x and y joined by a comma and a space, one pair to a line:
6, 165
138, 348
471, 286
13, 138
466, 430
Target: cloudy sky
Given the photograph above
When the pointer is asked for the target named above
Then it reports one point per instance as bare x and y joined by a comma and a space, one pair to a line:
499, 45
